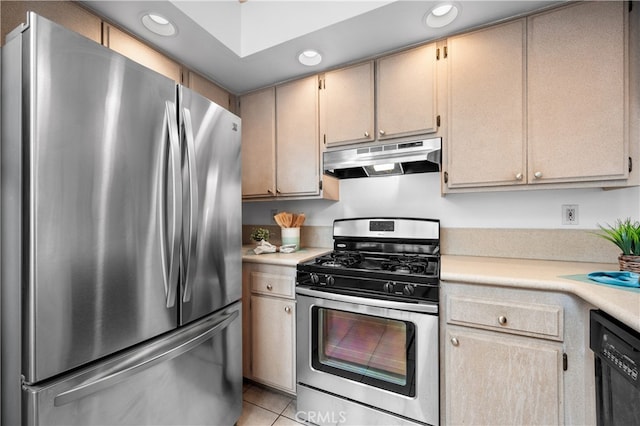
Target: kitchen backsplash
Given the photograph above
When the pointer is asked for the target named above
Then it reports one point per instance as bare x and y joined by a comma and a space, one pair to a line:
550, 244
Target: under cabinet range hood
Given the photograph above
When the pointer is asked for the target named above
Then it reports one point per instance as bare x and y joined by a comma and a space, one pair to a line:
384, 160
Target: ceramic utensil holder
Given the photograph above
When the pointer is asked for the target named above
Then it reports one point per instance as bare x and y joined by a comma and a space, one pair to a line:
291, 236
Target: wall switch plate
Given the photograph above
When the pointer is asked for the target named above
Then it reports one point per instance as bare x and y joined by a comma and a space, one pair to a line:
569, 214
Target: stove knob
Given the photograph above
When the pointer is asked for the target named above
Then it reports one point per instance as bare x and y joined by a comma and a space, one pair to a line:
408, 290
330, 280
315, 279
388, 287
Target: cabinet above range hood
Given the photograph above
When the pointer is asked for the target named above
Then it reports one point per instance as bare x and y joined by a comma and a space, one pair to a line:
419, 156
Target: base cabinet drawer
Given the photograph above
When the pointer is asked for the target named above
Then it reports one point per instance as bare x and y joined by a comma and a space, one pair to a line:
529, 319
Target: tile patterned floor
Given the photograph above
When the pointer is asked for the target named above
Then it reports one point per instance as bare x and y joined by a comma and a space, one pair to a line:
265, 407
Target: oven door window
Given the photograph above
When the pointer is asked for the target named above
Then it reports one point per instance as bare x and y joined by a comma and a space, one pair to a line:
373, 350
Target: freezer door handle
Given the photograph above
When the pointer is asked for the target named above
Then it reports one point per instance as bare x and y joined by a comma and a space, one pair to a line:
170, 260
190, 244
145, 359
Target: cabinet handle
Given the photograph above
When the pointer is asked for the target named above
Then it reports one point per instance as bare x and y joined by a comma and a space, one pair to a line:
366, 134
287, 309
537, 175
455, 341
269, 287
381, 132
502, 320
269, 191
519, 176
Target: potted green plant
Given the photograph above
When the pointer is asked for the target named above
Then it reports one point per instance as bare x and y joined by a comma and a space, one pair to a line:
260, 234
626, 235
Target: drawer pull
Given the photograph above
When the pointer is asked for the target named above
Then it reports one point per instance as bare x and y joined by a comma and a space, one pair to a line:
502, 320
455, 341
287, 309
269, 287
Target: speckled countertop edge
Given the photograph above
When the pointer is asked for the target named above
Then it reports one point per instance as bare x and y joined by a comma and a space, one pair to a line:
619, 302
285, 259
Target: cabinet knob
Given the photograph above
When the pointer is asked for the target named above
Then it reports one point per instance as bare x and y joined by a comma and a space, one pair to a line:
537, 175
366, 134
269, 287
381, 132
519, 176
455, 341
287, 309
269, 191
502, 320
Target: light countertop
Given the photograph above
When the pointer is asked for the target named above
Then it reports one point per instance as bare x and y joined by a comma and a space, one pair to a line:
285, 259
620, 302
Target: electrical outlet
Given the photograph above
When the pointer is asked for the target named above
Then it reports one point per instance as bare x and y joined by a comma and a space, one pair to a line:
569, 214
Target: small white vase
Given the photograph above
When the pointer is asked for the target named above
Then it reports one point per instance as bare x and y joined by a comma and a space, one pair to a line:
291, 236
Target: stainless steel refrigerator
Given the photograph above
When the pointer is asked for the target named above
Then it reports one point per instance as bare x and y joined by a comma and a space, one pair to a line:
121, 240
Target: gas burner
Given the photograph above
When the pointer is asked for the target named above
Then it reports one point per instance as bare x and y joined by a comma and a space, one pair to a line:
408, 265
340, 259
332, 264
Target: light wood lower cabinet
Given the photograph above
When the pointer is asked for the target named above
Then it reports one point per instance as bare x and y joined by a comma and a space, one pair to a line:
497, 378
272, 338
269, 315
514, 356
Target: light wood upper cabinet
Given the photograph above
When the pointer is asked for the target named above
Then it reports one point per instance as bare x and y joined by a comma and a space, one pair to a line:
66, 13
135, 50
298, 146
486, 118
280, 143
406, 93
576, 93
541, 100
347, 111
258, 113
209, 90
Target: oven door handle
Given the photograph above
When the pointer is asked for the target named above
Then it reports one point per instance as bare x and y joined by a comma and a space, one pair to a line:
427, 308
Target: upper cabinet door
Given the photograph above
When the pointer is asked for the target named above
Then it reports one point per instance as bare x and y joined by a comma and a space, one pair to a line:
348, 105
406, 98
258, 111
135, 50
298, 147
211, 91
577, 86
486, 120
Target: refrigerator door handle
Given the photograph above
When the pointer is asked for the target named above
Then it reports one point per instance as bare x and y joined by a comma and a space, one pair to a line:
193, 205
134, 365
170, 270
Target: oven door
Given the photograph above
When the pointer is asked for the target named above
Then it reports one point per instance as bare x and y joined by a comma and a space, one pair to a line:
379, 353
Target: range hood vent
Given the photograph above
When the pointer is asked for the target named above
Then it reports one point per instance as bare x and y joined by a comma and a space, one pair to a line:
384, 160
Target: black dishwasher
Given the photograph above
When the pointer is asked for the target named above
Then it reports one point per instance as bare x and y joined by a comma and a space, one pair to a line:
617, 364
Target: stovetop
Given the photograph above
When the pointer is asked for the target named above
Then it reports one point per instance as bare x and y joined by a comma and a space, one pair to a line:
379, 257
393, 263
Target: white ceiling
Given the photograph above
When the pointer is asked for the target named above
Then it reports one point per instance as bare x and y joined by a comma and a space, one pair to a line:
253, 44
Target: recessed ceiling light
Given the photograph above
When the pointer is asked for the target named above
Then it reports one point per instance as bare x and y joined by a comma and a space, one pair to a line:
441, 10
442, 14
310, 58
158, 24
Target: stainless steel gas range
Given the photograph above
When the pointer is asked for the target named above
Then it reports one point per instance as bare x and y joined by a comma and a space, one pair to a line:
367, 325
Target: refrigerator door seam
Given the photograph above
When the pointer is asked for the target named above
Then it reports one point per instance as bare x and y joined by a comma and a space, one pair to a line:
193, 204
